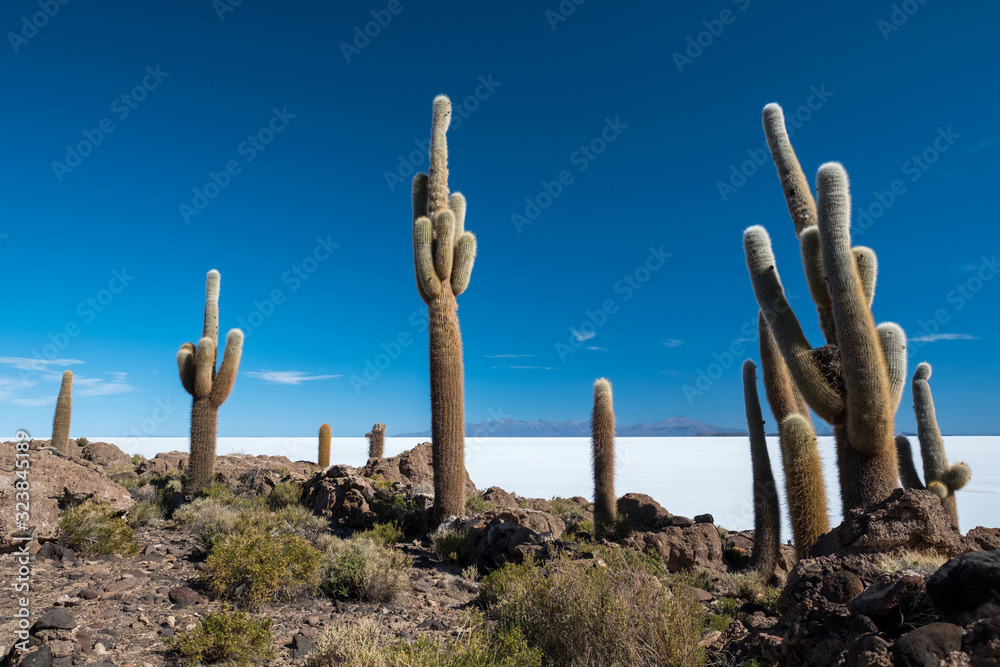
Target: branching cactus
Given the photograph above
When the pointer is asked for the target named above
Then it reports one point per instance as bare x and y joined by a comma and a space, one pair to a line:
209, 388
324, 446
942, 479
853, 382
602, 433
766, 514
443, 254
376, 441
64, 413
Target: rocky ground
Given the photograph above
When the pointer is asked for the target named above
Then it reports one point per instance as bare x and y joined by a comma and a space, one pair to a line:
867, 598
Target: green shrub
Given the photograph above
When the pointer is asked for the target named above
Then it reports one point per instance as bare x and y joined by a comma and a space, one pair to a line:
361, 569
770, 598
702, 578
386, 534
719, 622
365, 645
137, 459
564, 507
251, 566
284, 494
749, 585
577, 613
80, 442
475, 503
455, 545
208, 518
230, 637
389, 507
143, 512
728, 606
94, 528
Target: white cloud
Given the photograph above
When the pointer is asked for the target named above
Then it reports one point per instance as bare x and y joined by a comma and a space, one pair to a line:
582, 335
32, 402
594, 347
288, 377
672, 342
509, 356
933, 338
84, 386
529, 368
29, 364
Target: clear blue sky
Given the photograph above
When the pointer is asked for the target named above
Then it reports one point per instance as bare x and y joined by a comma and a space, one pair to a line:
645, 133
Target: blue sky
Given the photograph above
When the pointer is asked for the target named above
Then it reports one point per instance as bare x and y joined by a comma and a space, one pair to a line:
625, 124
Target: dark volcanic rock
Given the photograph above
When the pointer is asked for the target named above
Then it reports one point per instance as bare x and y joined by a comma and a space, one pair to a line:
183, 596
697, 545
641, 510
54, 618
927, 645
967, 587
890, 599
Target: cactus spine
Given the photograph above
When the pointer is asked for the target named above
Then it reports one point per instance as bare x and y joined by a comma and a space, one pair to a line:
209, 388
376, 441
324, 446
602, 433
942, 479
766, 514
854, 381
64, 413
803, 482
443, 255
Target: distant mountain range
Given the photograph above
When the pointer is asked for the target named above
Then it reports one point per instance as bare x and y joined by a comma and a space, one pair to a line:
674, 427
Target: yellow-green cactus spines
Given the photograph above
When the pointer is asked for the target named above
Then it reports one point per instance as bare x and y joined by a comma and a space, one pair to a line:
64, 414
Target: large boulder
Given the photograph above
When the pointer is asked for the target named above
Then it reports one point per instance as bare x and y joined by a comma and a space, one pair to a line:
105, 454
231, 469
907, 520
682, 548
642, 510
341, 495
967, 588
413, 467
542, 523
163, 462
983, 539
55, 482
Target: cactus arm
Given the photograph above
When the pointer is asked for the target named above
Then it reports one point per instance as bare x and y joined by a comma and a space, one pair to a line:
869, 417
812, 264
907, 471
437, 185
786, 329
185, 366
203, 369
226, 377
957, 476
428, 283
803, 483
867, 264
419, 195
767, 515
210, 327
782, 394
893, 342
798, 195
444, 244
465, 257
457, 205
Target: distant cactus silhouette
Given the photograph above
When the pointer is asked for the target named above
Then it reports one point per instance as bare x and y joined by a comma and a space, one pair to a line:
942, 479
324, 446
64, 414
376, 441
602, 434
443, 254
766, 513
856, 380
209, 388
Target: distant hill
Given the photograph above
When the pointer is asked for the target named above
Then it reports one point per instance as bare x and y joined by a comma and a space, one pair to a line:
674, 427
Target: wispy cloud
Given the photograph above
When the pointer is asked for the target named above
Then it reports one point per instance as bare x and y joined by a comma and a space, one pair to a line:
981, 145
32, 402
594, 347
509, 356
288, 377
529, 368
582, 335
672, 342
118, 384
29, 364
671, 372
933, 338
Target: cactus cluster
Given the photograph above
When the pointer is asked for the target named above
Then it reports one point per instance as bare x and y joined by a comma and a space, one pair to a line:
64, 413
324, 446
443, 255
209, 388
376, 441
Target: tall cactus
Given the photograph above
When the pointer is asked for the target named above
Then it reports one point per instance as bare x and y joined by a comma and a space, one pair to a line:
852, 382
376, 441
443, 254
323, 460
209, 388
766, 514
602, 434
64, 413
942, 479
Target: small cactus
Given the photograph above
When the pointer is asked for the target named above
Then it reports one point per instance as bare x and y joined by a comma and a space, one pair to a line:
209, 388
443, 254
324, 446
64, 413
766, 513
942, 479
376, 441
602, 433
